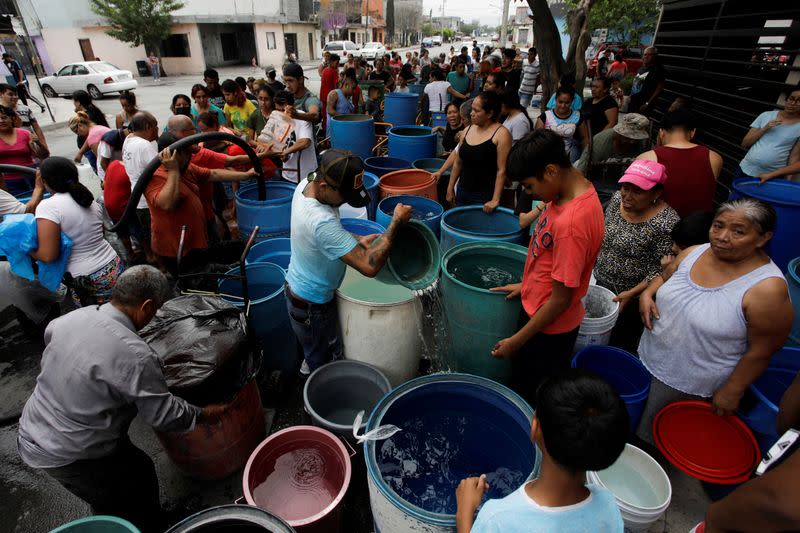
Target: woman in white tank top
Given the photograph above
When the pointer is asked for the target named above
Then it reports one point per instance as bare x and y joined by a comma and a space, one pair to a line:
716, 315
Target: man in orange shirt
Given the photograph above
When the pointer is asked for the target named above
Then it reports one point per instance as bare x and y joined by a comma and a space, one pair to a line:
173, 196
561, 256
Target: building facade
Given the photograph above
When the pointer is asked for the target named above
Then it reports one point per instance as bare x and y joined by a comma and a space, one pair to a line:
360, 21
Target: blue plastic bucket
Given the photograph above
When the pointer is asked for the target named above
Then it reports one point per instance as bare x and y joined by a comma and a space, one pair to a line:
355, 133
438, 118
273, 216
277, 251
427, 211
470, 223
793, 279
484, 428
371, 184
784, 196
378, 166
359, 226
97, 524
623, 371
400, 109
268, 314
412, 142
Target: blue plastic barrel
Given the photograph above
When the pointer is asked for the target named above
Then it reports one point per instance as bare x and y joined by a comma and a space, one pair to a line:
623, 371
412, 142
359, 226
355, 133
416, 88
784, 196
371, 185
268, 314
438, 118
273, 216
447, 423
768, 390
400, 109
793, 278
277, 250
471, 223
427, 211
380, 165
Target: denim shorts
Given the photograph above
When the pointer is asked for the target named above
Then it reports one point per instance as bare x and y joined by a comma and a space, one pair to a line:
317, 329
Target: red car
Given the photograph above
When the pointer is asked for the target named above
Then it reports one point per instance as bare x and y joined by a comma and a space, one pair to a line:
631, 55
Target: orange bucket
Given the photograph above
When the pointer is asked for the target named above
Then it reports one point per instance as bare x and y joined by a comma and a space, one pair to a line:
412, 181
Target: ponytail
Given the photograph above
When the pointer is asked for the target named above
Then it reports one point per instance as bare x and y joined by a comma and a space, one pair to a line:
61, 175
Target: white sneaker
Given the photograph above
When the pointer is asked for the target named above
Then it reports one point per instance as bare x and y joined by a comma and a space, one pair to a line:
305, 371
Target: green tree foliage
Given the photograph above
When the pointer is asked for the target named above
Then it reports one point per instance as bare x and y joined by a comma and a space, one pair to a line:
448, 34
428, 30
138, 22
627, 20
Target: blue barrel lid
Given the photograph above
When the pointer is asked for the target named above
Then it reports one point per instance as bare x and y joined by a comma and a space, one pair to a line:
781, 192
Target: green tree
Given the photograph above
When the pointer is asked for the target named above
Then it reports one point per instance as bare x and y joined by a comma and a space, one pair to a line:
627, 20
428, 30
138, 22
448, 34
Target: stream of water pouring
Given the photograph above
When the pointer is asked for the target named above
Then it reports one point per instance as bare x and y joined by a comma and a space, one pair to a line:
432, 329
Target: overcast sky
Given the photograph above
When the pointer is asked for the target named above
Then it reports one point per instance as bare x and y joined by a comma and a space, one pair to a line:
487, 11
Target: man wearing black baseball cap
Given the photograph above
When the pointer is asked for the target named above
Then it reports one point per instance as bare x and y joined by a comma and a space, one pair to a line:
306, 104
322, 249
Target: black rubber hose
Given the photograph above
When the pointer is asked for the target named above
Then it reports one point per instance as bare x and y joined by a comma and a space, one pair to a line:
17, 169
153, 165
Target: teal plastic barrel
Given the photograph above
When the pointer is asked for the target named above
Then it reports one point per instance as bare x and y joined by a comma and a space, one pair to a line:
415, 257
355, 133
97, 524
268, 314
471, 223
273, 216
477, 318
412, 142
400, 109
427, 211
793, 279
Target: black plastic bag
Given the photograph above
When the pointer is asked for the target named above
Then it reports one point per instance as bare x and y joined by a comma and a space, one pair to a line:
202, 344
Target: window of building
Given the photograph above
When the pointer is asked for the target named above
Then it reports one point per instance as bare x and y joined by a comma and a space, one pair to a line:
271, 44
176, 45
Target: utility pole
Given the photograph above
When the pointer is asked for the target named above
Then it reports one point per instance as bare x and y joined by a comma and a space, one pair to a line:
34, 54
503, 24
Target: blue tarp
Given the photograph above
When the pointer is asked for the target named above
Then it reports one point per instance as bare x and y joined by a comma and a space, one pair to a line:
18, 238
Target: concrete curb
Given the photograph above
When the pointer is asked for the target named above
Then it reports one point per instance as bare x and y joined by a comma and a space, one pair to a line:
53, 125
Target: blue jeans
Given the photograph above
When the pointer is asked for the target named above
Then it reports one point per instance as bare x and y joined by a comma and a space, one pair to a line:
472, 197
525, 99
317, 329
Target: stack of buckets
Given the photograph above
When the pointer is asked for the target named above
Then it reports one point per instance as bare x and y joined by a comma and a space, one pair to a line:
601, 316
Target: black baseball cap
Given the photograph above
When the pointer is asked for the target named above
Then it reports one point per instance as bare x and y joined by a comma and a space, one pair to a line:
345, 172
293, 70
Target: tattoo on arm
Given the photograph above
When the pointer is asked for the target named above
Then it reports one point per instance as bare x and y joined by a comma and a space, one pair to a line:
379, 250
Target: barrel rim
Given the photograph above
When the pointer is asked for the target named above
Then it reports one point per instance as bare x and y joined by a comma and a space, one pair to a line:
437, 519
465, 246
635, 361
463, 209
429, 180
651, 461
403, 198
347, 298
401, 95
290, 187
199, 518
428, 135
793, 269
376, 181
757, 192
96, 518
352, 117
256, 266
337, 443
273, 240
369, 162
342, 362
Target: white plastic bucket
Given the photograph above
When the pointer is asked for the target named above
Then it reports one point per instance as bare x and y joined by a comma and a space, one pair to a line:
640, 486
601, 316
348, 211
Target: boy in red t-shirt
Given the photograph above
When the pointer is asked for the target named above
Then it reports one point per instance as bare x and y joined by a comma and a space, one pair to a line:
561, 256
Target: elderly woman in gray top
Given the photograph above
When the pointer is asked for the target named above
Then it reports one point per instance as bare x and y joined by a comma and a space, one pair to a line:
716, 315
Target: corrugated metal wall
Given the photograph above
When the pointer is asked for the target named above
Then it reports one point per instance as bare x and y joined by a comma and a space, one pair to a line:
732, 59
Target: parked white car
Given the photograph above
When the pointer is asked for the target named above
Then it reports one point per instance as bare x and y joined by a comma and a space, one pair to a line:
342, 49
373, 50
437, 40
95, 77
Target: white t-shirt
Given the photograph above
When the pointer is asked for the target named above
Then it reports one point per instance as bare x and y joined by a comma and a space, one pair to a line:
103, 150
438, 96
84, 226
10, 205
308, 157
136, 154
518, 126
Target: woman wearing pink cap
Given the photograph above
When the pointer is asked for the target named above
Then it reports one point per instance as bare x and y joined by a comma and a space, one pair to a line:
638, 223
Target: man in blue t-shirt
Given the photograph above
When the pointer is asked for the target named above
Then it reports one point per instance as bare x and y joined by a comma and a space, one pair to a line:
322, 249
580, 424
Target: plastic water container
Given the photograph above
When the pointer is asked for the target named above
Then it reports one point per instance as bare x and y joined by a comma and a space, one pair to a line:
273, 216
411, 182
348, 211
438, 118
335, 393
277, 250
97, 524
427, 211
471, 223
793, 279
235, 518
623, 371
400, 109
601, 316
412, 142
415, 256
640, 486
759, 408
381, 165
355, 133
784, 196
371, 184
361, 227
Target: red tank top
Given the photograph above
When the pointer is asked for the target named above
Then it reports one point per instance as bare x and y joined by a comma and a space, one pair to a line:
690, 184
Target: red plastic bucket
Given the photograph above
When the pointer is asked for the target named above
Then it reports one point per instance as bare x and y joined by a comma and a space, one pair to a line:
300, 474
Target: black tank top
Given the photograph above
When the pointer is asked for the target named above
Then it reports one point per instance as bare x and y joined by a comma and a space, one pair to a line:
478, 164
449, 137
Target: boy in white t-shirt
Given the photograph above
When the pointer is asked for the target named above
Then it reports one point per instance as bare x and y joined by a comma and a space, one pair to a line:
580, 424
297, 152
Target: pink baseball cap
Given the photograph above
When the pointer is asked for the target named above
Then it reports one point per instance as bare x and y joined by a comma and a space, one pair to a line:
645, 174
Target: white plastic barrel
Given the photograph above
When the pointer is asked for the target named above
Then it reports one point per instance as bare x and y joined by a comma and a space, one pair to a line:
379, 324
640, 486
601, 316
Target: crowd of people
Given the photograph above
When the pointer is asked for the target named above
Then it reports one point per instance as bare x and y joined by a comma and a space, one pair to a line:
657, 241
